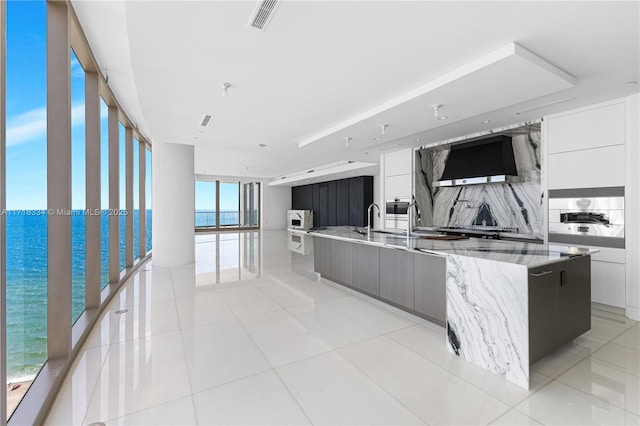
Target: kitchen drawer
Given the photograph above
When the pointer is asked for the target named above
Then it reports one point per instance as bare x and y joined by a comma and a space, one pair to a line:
606, 254
608, 283
396, 224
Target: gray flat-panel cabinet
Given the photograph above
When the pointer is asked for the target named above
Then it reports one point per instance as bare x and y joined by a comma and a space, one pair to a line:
543, 312
574, 298
366, 268
322, 257
341, 261
396, 277
559, 305
429, 276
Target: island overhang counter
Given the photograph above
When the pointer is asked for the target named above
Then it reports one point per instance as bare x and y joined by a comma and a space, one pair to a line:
504, 304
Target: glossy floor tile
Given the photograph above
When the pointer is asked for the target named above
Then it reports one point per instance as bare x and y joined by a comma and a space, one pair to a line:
607, 383
425, 388
559, 404
250, 335
259, 399
332, 390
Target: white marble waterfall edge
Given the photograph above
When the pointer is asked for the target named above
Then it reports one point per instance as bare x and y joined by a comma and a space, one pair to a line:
487, 315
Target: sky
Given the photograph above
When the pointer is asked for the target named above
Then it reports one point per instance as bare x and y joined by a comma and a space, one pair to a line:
26, 115
27, 125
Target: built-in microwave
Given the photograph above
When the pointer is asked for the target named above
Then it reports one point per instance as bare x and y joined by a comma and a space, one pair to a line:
591, 216
396, 217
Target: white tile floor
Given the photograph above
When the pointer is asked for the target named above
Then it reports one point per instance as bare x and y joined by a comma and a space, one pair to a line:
248, 335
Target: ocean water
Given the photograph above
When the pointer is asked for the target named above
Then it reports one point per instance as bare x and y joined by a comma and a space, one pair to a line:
227, 217
208, 218
26, 272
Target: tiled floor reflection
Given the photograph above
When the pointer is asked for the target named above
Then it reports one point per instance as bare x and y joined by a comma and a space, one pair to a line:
248, 335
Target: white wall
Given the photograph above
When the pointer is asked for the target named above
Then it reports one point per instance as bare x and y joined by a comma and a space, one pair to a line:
276, 200
377, 198
173, 204
632, 208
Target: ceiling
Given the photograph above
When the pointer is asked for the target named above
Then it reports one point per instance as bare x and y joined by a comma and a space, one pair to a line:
324, 71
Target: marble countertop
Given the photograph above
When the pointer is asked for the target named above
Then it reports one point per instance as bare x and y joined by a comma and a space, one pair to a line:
531, 255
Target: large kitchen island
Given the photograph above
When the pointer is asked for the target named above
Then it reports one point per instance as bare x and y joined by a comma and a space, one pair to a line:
504, 304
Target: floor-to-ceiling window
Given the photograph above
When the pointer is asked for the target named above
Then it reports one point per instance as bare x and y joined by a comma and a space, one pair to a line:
136, 199
56, 119
222, 205
104, 193
229, 202
251, 198
78, 239
148, 201
123, 194
206, 213
26, 195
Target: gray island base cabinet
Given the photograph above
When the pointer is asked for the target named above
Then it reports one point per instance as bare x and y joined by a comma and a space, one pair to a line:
501, 313
415, 283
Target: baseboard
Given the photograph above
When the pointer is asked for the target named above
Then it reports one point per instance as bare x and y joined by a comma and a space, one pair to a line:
633, 312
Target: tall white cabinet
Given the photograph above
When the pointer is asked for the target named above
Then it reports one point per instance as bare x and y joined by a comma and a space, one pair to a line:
591, 148
397, 175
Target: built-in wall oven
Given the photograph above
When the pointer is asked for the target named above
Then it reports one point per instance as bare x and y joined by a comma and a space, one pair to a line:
587, 216
396, 217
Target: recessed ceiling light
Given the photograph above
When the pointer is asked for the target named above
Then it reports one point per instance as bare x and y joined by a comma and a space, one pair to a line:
262, 145
376, 138
195, 137
366, 152
417, 140
485, 122
630, 83
443, 117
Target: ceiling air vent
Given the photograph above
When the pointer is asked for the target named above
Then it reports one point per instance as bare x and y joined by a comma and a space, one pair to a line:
262, 13
206, 120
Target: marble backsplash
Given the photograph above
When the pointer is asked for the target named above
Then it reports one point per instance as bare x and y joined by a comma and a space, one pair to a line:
513, 205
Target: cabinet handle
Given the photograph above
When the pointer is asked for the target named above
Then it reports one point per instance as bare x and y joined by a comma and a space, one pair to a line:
539, 274
563, 278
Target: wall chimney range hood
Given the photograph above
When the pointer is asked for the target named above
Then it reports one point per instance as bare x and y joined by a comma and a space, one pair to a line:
488, 160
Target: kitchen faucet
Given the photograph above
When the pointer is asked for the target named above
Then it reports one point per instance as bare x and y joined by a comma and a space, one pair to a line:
409, 224
369, 218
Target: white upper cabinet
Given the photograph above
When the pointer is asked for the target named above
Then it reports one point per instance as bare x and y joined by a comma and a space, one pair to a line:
398, 163
588, 168
586, 148
591, 128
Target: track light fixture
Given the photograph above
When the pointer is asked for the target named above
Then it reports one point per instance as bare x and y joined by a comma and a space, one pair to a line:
436, 112
225, 88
